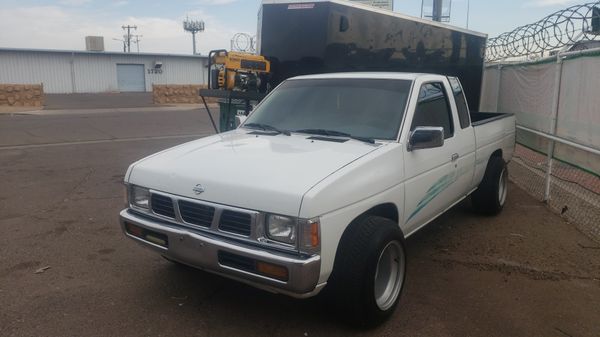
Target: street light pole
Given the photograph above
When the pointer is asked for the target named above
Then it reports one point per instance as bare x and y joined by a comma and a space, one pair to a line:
193, 26
436, 13
194, 42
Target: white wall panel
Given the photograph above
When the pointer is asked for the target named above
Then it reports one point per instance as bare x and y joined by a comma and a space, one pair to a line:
82, 72
53, 70
94, 73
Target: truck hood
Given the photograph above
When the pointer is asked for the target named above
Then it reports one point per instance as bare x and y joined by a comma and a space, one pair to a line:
258, 172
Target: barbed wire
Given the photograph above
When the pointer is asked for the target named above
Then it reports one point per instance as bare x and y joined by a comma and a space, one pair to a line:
556, 31
243, 42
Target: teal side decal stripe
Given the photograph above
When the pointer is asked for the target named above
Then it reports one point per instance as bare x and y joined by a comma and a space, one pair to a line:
433, 192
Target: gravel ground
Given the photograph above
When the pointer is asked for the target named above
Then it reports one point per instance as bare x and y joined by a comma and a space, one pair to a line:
524, 273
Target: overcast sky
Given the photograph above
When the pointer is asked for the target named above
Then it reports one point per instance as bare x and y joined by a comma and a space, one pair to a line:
62, 24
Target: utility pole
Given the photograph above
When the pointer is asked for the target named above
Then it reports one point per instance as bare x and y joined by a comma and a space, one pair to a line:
128, 36
137, 41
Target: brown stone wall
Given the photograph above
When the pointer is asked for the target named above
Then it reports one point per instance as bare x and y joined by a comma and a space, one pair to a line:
22, 94
178, 94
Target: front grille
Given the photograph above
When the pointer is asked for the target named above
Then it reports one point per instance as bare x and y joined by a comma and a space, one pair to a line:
196, 214
162, 205
201, 215
235, 222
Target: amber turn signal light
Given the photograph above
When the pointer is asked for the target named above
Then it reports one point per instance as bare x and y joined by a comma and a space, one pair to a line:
272, 270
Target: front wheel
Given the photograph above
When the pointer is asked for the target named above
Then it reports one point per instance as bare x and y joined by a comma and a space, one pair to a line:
369, 271
389, 275
490, 196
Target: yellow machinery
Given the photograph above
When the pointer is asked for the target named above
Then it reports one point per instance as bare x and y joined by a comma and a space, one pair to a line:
236, 79
237, 71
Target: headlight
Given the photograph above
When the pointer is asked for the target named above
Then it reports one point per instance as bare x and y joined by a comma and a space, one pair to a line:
282, 228
140, 197
305, 234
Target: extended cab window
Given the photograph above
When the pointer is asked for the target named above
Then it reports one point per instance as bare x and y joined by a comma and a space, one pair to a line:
433, 109
461, 102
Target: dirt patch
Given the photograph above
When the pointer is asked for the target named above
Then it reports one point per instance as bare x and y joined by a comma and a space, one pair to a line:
22, 266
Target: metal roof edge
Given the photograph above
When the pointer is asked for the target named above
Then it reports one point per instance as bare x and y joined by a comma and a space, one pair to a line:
66, 51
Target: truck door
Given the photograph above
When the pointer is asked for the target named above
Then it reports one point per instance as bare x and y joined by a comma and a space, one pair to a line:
431, 173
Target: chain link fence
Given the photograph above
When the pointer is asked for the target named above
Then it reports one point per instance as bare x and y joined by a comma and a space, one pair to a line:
570, 191
555, 101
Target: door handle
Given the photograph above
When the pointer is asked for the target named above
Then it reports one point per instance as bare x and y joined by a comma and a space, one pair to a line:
455, 157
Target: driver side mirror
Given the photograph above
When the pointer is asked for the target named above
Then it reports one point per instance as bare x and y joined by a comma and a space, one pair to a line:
426, 137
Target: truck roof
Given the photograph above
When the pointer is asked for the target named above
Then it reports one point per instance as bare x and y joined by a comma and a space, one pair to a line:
364, 75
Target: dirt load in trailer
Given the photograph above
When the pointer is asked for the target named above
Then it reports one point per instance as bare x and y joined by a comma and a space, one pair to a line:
301, 37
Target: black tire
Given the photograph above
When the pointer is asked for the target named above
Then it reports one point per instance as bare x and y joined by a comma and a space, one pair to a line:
490, 196
351, 286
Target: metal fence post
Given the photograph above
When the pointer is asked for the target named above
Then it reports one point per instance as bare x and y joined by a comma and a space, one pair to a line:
72, 64
553, 124
498, 83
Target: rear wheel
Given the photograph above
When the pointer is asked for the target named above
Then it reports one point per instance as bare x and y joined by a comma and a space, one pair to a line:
369, 271
490, 196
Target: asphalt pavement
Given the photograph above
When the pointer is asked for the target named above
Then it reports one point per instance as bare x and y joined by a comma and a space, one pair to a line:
98, 100
67, 270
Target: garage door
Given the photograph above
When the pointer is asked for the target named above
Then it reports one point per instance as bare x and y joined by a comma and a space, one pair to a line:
130, 77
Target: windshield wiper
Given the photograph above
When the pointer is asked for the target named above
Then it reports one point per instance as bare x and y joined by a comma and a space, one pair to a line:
267, 127
334, 133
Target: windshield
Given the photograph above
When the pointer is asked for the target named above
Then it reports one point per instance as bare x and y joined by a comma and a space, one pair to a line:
370, 108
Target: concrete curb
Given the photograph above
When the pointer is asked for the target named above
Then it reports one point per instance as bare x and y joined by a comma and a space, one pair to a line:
8, 110
108, 110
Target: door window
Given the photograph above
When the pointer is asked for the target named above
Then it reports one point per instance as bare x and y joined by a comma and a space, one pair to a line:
461, 102
433, 109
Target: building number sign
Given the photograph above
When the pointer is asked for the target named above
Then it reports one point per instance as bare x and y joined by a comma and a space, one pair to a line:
155, 71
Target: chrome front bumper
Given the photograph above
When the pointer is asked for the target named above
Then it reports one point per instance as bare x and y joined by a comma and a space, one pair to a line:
200, 251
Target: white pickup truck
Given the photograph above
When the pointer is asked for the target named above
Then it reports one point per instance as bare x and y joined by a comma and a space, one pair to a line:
321, 184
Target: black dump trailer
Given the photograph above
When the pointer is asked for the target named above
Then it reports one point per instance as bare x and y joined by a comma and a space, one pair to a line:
314, 37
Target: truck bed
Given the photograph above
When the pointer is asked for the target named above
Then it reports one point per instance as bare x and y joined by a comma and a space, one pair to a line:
481, 117
493, 131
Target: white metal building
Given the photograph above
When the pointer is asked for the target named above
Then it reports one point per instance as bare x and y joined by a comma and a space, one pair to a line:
65, 71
